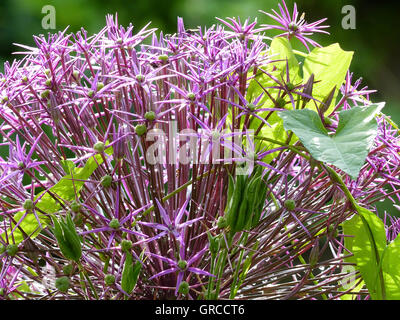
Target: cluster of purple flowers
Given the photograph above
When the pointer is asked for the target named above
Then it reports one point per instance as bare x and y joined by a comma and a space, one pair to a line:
75, 98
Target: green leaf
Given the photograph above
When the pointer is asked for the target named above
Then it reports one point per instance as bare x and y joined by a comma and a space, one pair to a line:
367, 245
391, 269
64, 190
130, 274
282, 51
348, 148
329, 66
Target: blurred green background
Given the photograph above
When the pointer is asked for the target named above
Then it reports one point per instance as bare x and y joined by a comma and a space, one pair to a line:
375, 39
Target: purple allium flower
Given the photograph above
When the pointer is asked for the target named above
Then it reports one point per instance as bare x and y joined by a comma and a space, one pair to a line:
295, 26
99, 128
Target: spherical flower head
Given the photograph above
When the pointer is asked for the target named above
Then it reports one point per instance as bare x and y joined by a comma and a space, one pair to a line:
109, 279
62, 284
289, 204
99, 147
114, 224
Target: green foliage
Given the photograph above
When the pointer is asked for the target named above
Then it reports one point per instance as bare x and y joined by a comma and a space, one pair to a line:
329, 66
130, 273
67, 238
64, 191
377, 262
348, 148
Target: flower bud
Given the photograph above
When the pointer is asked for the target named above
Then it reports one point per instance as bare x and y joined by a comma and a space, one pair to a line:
280, 102
289, 204
182, 264
222, 223
109, 279
290, 86
28, 204
68, 269
106, 181
76, 207
12, 250
150, 116
126, 245
62, 284
191, 96
184, 288
45, 94
114, 224
140, 78
140, 129
99, 147
100, 85
163, 58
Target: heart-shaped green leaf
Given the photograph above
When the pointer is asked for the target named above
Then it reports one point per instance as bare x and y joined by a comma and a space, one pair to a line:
348, 148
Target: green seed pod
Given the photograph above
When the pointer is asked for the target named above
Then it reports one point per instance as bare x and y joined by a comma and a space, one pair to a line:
2, 249
12, 250
28, 204
182, 264
24, 79
100, 85
68, 269
184, 288
62, 284
106, 181
140, 129
99, 147
45, 94
47, 72
76, 207
140, 78
163, 58
114, 223
251, 107
150, 115
293, 27
76, 75
222, 223
48, 82
126, 245
191, 96
290, 86
280, 102
109, 279
289, 204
